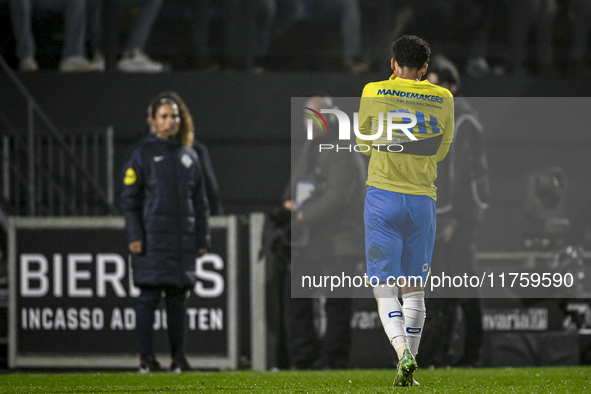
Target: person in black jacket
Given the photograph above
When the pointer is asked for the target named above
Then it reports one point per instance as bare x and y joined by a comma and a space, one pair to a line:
166, 215
325, 197
211, 184
462, 185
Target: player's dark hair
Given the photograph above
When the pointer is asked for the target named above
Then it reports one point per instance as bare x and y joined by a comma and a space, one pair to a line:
446, 71
411, 51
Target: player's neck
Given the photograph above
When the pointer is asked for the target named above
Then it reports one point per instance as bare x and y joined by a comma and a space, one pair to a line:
413, 75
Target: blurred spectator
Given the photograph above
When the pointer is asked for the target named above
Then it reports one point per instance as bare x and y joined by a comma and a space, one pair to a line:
249, 30
541, 14
462, 183
577, 59
200, 21
518, 18
325, 196
521, 16
383, 22
73, 59
488, 15
164, 185
350, 21
276, 249
133, 58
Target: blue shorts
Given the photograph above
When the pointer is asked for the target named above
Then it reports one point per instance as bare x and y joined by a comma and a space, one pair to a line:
399, 234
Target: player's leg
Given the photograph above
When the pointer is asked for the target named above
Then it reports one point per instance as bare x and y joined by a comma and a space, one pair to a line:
384, 213
391, 316
416, 262
414, 313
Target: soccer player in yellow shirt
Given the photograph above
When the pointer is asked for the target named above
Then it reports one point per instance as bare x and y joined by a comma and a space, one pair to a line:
400, 200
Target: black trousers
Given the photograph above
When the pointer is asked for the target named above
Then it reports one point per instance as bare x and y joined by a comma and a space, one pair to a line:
176, 305
305, 349
457, 257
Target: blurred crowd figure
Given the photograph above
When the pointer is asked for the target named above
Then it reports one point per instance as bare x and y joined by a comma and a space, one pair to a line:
462, 186
523, 17
487, 36
251, 25
74, 11
247, 34
78, 15
325, 198
349, 15
133, 58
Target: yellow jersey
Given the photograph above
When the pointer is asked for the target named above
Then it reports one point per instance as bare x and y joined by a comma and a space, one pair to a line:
399, 163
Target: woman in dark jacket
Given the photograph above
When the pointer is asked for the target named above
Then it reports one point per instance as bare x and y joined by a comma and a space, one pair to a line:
166, 214
211, 184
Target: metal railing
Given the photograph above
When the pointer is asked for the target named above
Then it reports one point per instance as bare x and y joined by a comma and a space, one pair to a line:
47, 172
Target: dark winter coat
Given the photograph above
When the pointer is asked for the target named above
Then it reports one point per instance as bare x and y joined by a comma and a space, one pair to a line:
462, 177
164, 204
211, 183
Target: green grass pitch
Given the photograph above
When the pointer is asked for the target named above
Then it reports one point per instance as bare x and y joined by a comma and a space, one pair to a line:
502, 380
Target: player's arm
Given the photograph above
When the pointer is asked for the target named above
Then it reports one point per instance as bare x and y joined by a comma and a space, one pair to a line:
448, 133
365, 121
131, 201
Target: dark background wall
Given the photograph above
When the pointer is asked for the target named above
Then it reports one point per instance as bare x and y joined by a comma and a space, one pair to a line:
245, 121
